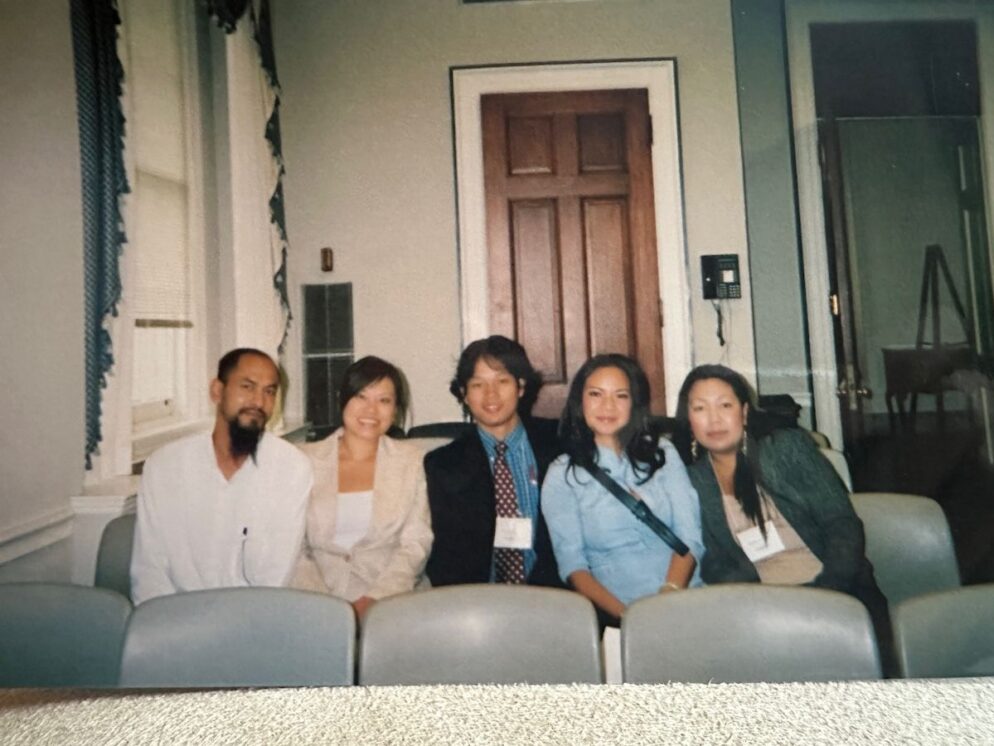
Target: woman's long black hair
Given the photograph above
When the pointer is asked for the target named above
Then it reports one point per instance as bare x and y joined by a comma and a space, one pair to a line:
637, 437
748, 477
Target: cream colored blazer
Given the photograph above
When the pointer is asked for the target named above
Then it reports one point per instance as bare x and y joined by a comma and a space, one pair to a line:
391, 558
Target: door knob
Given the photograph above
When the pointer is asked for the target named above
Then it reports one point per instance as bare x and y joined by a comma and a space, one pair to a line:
864, 392
843, 389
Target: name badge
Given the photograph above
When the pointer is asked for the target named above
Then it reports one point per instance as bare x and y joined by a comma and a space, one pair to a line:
756, 547
513, 533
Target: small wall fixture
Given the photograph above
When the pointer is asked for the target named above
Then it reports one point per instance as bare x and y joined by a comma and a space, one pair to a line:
327, 259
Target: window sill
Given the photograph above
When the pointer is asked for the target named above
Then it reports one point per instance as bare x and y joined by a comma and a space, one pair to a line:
147, 441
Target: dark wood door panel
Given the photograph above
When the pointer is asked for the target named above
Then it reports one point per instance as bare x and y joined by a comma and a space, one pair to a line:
571, 231
538, 310
605, 231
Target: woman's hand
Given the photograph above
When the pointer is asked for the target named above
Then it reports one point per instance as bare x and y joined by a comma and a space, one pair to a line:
362, 604
680, 571
586, 584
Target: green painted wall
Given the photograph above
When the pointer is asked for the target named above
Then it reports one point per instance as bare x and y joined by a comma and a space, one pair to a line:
774, 249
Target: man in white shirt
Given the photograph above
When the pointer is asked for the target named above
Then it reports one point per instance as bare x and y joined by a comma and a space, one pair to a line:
224, 508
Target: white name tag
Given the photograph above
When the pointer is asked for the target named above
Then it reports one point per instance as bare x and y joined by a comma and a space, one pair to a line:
755, 547
513, 533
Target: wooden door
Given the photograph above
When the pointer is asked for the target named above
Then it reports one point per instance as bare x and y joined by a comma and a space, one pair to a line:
571, 232
851, 389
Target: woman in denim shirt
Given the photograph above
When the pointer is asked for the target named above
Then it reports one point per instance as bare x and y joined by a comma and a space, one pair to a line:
601, 548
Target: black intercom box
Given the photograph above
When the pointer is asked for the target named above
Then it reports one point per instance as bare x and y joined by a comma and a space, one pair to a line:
720, 276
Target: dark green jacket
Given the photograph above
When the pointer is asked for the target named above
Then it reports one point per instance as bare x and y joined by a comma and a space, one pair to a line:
809, 493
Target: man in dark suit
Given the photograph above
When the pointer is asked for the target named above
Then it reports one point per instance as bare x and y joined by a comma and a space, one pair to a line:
483, 487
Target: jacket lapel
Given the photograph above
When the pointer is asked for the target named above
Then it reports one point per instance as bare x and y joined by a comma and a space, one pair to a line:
387, 486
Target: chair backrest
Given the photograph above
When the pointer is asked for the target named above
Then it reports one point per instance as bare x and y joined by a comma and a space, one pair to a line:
747, 633
450, 430
946, 634
240, 637
481, 634
838, 460
908, 543
427, 444
114, 555
53, 634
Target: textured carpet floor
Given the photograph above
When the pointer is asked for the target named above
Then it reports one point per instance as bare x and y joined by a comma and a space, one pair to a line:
891, 712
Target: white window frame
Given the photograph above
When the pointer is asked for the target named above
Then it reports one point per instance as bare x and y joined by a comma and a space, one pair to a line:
193, 407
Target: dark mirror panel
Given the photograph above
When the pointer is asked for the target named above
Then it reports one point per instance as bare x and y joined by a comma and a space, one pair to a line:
895, 69
328, 351
327, 318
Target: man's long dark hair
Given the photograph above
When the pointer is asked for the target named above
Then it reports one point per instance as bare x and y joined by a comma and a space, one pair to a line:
506, 353
748, 477
638, 438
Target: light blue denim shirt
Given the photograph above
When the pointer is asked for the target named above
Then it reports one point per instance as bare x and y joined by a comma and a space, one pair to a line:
591, 529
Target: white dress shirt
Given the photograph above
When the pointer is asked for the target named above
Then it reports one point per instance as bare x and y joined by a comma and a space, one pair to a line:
198, 530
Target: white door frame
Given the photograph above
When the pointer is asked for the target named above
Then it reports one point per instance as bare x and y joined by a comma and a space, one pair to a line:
800, 15
659, 78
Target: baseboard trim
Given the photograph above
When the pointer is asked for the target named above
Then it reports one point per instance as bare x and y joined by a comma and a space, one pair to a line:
37, 533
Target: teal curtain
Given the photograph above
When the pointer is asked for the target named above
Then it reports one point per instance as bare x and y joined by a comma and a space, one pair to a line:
99, 76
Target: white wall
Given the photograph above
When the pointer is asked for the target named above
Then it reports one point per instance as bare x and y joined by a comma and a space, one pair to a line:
368, 145
41, 294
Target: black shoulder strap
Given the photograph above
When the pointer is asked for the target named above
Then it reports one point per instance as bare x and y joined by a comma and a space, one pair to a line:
640, 509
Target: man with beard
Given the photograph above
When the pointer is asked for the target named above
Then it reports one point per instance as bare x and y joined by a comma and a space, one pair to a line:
224, 508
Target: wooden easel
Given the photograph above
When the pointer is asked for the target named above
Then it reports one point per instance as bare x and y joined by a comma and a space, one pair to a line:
924, 368
935, 260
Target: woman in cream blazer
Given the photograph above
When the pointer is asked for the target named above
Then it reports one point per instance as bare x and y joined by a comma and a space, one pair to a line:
390, 555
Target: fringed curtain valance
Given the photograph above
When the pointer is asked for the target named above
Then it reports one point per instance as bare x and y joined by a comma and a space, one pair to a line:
99, 76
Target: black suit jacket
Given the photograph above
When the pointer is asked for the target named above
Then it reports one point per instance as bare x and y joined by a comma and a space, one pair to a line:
464, 509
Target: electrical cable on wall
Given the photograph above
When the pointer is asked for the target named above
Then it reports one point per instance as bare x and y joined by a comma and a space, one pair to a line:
720, 330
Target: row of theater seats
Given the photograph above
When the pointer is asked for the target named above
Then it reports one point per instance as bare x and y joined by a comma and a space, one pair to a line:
63, 635
907, 541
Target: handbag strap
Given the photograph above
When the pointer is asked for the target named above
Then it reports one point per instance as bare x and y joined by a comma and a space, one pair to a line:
640, 509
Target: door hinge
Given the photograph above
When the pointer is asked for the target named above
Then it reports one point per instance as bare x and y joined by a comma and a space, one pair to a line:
649, 134
661, 324
833, 302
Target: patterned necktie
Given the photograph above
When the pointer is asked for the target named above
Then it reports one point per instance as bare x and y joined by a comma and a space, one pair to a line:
509, 563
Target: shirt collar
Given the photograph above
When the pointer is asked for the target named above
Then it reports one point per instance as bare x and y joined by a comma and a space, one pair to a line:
513, 439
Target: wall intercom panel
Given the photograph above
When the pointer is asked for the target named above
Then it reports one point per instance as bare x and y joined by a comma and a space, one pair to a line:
720, 276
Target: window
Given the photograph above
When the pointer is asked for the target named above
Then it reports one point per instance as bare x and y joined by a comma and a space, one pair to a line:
164, 267
328, 351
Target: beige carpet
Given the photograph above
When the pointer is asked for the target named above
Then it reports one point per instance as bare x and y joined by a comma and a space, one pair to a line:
891, 712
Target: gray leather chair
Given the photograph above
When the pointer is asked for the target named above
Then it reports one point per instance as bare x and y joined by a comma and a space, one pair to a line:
240, 637
481, 634
450, 430
946, 634
747, 633
909, 544
114, 555
54, 635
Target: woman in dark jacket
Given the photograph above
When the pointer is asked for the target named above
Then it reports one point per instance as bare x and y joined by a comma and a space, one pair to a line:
773, 509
